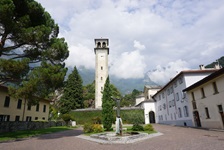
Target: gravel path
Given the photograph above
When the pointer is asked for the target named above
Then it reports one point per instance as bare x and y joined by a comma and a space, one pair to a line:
173, 138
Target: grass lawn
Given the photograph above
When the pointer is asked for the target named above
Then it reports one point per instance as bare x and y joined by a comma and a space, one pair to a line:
30, 133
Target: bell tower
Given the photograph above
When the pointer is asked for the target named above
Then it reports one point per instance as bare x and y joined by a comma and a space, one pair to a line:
101, 68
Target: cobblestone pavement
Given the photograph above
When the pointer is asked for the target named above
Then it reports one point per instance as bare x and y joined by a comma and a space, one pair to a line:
173, 138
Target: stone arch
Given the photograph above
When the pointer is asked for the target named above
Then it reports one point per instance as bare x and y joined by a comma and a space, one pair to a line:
98, 45
104, 44
152, 117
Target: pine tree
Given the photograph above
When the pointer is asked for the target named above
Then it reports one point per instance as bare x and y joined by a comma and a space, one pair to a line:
72, 97
31, 54
107, 106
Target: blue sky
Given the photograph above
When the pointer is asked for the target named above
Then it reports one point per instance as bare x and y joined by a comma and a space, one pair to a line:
163, 35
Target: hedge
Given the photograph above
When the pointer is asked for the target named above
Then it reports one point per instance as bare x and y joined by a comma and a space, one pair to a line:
129, 116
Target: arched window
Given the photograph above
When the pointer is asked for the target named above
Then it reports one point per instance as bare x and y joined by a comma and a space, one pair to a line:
104, 44
98, 45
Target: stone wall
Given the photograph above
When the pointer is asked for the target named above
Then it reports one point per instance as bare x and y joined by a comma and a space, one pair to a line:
11, 126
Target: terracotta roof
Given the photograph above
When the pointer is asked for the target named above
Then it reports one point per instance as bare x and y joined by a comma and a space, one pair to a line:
186, 72
206, 79
153, 86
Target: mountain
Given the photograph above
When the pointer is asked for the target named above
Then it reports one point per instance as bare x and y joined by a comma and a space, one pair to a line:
220, 61
125, 86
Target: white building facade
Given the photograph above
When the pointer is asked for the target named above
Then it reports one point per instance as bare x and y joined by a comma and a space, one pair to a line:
145, 101
101, 68
207, 101
172, 104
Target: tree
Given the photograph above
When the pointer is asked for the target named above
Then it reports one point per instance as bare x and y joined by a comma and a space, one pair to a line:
89, 95
31, 54
107, 106
72, 97
129, 99
115, 92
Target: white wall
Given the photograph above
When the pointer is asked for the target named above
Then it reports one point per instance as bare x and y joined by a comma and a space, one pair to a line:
211, 101
148, 106
170, 109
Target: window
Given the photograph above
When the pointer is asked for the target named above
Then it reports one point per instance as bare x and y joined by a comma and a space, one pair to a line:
104, 44
37, 107
186, 114
164, 106
159, 97
183, 95
215, 88
180, 80
171, 90
175, 84
168, 91
179, 113
29, 107
220, 108
17, 118
28, 118
173, 103
101, 78
36, 118
101, 88
192, 95
19, 104
101, 67
98, 45
202, 93
194, 105
170, 103
177, 96
4, 117
207, 113
163, 95
7, 101
44, 108
43, 118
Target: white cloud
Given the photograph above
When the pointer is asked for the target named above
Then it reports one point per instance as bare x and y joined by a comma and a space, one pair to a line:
138, 45
79, 55
162, 31
162, 75
129, 64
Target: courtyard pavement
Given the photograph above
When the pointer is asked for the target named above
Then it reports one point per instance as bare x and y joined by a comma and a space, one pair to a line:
173, 138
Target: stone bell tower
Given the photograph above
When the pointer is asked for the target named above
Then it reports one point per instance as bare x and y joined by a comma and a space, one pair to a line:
101, 68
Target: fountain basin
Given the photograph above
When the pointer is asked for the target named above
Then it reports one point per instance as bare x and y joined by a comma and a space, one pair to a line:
108, 136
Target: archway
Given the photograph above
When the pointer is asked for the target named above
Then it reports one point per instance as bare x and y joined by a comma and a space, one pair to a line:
152, 117
197, 119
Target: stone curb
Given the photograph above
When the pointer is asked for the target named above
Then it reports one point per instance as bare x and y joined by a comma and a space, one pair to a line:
120, 141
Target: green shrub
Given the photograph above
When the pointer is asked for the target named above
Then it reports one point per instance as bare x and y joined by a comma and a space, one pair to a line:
97, 120
67, 118
97, 128
88, 128
92, 128
148, 127
133, 117
137, 127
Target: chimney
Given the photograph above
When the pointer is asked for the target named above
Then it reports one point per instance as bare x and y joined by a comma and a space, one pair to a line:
217, 66
202, 67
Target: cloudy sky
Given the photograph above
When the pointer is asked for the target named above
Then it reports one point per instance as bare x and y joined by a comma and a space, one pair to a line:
167, 36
